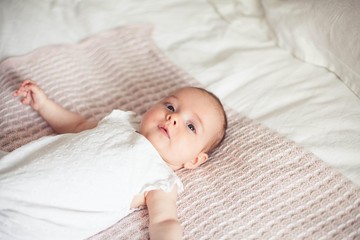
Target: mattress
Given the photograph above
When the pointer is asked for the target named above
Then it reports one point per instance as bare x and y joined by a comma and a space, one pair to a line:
240, 50
229, 47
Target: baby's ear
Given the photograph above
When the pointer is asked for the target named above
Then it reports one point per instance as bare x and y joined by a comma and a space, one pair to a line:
200, 159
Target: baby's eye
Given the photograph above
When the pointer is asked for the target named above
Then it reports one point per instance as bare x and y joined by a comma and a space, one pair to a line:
170, 107
192, 127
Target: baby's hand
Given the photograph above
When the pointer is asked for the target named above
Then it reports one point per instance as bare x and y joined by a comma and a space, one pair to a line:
31, 95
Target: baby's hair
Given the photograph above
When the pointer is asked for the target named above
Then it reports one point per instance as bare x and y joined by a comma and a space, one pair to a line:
221, 137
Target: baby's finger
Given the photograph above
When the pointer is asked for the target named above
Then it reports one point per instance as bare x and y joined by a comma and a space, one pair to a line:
24, 87
19, 92
27, 82
26, 99
34, 88
22, 91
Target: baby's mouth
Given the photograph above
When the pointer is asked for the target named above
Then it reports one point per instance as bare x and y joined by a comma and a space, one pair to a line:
164, 130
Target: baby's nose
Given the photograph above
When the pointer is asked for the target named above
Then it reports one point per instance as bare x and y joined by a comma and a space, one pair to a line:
172, 119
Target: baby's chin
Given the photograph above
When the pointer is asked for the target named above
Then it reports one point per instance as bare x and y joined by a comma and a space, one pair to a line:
168, 158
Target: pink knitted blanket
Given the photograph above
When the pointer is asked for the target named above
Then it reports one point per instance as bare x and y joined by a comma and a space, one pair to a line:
258, 185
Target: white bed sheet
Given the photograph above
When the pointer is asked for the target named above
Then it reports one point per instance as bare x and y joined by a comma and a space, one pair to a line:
227, 46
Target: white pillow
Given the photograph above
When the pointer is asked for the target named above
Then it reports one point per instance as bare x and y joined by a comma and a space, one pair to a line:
321, 32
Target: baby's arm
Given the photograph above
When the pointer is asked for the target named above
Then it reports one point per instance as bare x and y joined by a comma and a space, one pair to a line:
59, 118
164, 223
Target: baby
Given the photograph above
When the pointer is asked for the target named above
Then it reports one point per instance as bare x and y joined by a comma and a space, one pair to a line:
84, 180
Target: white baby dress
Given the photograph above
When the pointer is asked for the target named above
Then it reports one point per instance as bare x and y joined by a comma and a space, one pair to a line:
72, 186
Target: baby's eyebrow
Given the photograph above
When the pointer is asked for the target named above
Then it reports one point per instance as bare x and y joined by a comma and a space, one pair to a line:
198, 119
172, 96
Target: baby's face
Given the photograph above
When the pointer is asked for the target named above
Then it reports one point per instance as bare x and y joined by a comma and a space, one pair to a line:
182, 126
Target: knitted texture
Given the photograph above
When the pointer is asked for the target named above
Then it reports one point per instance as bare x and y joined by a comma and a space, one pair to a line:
257, 185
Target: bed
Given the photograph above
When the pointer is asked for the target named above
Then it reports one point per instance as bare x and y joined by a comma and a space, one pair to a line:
287, 71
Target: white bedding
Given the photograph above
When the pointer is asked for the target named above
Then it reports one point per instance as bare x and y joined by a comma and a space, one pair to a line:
238, 50
229, 47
